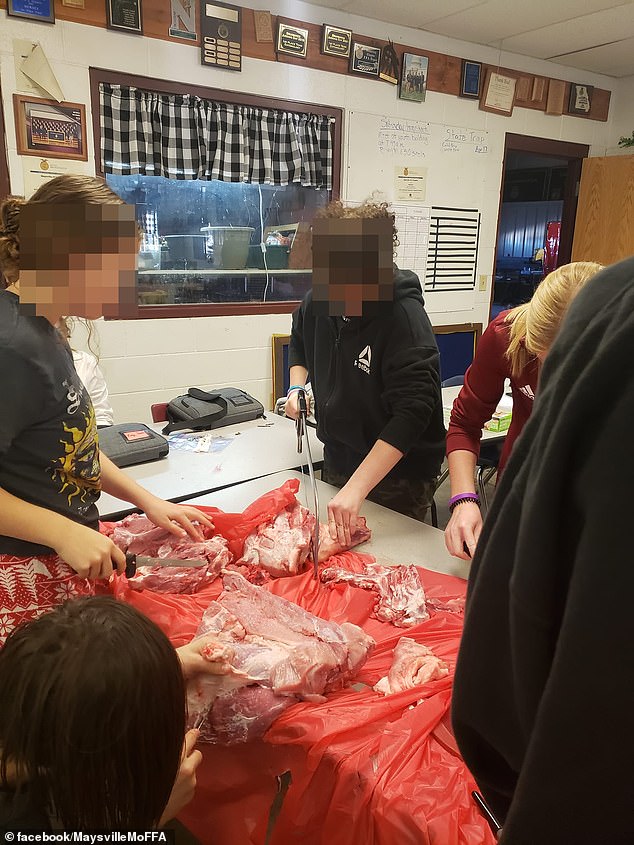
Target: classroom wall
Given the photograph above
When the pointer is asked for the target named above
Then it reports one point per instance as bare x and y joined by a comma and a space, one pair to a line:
146, 361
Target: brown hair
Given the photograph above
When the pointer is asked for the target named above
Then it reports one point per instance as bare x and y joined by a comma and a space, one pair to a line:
65, 327
369, 209
69, 188
535, 324
92, 715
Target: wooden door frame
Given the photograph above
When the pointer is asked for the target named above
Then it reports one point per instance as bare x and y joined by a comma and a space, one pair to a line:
5, 186
575, 154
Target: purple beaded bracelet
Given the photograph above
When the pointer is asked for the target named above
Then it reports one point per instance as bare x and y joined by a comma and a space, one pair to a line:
462, 497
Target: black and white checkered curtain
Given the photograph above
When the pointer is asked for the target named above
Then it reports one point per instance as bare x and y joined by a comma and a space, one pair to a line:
186, 137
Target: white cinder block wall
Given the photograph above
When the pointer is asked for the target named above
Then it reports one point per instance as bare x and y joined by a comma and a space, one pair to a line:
149, 361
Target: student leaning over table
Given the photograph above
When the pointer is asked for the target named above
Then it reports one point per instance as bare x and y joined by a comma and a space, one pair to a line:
365, 340
71, 249
513, 346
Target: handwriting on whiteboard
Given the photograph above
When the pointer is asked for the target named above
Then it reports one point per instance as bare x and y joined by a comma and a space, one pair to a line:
407, 138
455, 139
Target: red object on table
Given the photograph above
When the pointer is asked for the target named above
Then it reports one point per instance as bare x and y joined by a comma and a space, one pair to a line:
366, 768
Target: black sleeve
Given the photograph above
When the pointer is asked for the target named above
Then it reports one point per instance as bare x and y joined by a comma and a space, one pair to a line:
575, 782
296, 351
411, 392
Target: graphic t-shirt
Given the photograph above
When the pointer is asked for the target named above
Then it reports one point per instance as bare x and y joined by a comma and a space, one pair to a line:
49, 453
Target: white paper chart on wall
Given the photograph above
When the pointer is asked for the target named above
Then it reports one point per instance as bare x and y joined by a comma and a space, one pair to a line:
452, 252
412, 224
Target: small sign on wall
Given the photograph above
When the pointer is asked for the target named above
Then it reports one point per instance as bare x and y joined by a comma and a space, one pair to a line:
410, 184
183, 19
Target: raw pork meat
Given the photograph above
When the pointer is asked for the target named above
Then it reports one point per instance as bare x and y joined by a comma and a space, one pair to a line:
413, 665
329, 547
138, 535
400, 597
269, 653
282, 547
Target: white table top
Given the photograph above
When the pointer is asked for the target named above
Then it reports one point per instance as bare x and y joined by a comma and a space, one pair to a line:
258, 447
448, 396
395, 538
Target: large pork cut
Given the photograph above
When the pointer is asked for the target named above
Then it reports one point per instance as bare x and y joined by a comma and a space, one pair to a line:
268, 653
413, 665
136, 534
282, 547
400, 597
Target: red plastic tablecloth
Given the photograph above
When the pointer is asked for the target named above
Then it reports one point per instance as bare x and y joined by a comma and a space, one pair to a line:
366, 769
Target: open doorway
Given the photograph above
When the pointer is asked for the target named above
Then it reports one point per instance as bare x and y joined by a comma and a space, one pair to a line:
538, 205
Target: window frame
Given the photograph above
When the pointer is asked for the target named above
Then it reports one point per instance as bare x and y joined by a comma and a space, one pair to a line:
211, 309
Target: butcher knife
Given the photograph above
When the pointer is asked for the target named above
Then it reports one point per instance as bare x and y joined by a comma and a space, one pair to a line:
302, 431
133, 561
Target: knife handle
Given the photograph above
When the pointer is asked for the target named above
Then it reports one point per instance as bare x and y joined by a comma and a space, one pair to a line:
130, 565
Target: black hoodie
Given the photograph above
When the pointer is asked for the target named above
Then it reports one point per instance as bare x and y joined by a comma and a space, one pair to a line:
375, 378
543, 700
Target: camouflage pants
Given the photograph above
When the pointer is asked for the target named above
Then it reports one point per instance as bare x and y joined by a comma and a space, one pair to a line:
409, 496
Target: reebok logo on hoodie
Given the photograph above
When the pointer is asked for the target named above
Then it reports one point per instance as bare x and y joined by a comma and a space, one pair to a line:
364, 360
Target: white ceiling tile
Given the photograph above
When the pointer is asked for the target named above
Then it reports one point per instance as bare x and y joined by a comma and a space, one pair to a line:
613, 59
500, 19
587, 32
407, 12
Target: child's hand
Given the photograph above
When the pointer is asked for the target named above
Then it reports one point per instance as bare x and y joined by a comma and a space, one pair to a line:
185, 784
89, 553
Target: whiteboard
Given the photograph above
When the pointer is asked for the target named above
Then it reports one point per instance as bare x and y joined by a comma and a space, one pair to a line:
455, 158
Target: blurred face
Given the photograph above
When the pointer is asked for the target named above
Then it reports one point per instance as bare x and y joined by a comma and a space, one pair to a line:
78, 260
352, 267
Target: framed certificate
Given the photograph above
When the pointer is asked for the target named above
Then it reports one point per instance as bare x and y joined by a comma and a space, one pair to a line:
34, 10
498, 94
336, 41
124, 15
292, 40
365, 59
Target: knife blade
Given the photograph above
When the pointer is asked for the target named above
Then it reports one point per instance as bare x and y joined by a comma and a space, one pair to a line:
132, 562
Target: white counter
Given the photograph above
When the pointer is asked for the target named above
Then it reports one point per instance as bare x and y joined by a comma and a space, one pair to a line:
395, 538
257, 448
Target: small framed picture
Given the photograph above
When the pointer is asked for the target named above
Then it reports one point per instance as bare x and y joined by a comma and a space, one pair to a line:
470, 79
365, 59
413, 85
33, 10
335, 41
580, 99
498, 95
124, 15
292, 40
49, 129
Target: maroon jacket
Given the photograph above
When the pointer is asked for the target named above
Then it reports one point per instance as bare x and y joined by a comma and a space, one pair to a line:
483, 388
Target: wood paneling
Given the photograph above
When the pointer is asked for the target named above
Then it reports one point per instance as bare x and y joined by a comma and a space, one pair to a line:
444, 70
4, 167
604, 230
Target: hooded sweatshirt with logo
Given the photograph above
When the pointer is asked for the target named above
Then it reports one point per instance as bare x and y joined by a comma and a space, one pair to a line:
375, 378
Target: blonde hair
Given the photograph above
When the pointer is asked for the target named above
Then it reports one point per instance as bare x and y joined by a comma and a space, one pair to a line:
69, 188
372, 208
535, 324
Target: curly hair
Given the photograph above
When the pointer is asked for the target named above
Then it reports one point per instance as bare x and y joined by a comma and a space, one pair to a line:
69, 188
368, 210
